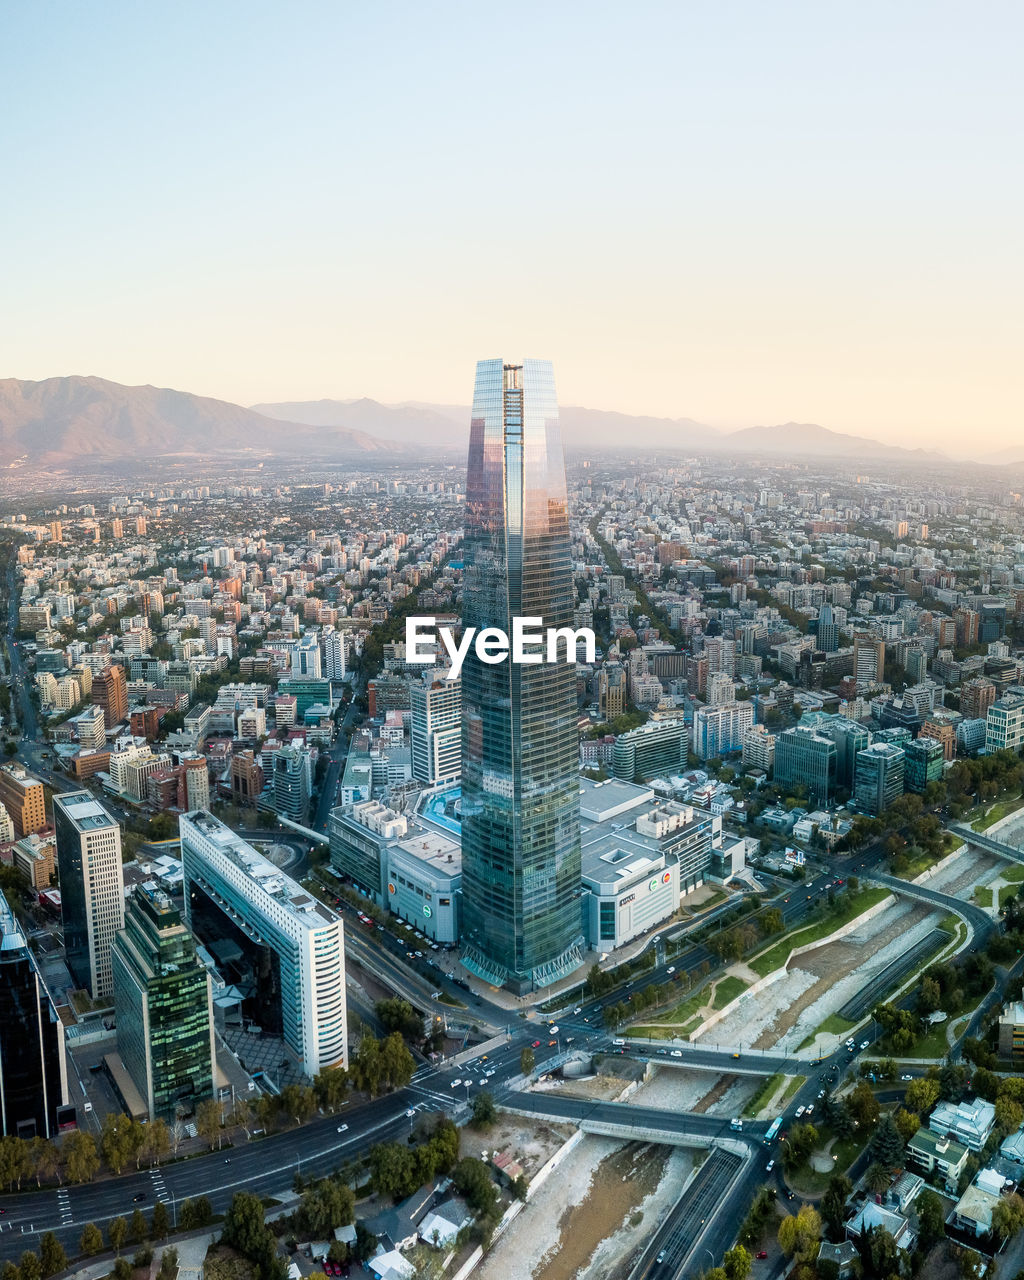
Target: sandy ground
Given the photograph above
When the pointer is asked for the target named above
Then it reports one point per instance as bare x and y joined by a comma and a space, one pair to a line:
963, 872
532, 1142
592, 1217
676, 1089
821, 981
607, 1088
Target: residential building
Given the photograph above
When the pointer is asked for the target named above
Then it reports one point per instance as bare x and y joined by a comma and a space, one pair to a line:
758, 748
520, 801
878, 777
806, 758
938, 1153
657, 747
1011, 1032
34, 859
719, 730
91, 887
110, 693
90, 726
436, 730
967, 1122
973, 1212
22, 797
164, 1007
868, 659
612, 698
944, 732
274, 940
976, 696
246, 777
33, 1077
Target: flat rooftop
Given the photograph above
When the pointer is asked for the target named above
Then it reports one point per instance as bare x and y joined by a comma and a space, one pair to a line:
84, 812
261, 872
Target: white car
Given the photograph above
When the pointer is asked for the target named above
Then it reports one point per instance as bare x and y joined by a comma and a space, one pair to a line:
810, 1108
800, 1111
906, 1077
483, 1084
865, 1044
456, 1083
676, 1053
343, 1128
671, 969
410, 1113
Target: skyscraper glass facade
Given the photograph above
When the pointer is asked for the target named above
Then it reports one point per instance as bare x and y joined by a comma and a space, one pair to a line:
520, 792
163, 1005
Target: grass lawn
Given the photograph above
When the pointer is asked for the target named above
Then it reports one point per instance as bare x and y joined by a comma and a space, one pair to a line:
806, 1181
998, 811
713, 900
762, 1095
983, 895
1007, 892
728, 989
833, 1025
916, 866
1015, 875
777, 955
933, 1044
792, 1089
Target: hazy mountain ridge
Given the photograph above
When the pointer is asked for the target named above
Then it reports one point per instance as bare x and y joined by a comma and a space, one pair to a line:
420, 422
59, 420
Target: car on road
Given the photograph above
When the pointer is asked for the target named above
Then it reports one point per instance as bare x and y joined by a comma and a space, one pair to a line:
821, 1093
671, 969
535, 1045
906, 1077
762, 1253
578, 1009
676, 1053
456, 1083
661, 1256
410, 1113
769, 1166
800, 1111
810, 1109
343, 1128
865, 1044
139, 1198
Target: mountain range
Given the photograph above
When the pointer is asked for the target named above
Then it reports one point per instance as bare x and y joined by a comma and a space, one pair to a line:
59, 421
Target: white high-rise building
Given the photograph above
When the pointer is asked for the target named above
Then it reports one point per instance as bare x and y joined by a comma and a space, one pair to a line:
227, 880
335, 655
91, 886
436, 730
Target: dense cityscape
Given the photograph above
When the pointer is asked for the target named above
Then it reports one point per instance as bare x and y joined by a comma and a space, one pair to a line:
379, 969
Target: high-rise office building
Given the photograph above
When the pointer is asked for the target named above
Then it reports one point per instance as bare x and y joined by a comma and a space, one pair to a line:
878, 778
521, 884
164, 1006
849, 737
436, 729
828, 631
272, 939
1004, 724
292, 782
33, 1077
91, 887
922, 763
805, 757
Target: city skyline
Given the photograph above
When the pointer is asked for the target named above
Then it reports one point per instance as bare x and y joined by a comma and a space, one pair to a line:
743, 218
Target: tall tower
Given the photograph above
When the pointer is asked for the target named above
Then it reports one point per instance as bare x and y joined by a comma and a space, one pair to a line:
91, 886
520, 789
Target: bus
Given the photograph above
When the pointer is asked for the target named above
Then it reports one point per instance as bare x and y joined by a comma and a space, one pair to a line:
773, 1129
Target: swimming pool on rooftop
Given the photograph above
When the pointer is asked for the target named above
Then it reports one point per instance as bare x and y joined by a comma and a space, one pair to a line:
444, 809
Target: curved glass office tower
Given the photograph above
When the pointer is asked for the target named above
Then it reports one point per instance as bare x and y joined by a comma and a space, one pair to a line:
521, 924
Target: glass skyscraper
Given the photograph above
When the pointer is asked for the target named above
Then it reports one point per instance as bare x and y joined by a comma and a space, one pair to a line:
521, 887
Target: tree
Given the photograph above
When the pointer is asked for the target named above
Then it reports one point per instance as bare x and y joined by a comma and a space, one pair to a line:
886, 1145
833, 1205
921, 1095
208, 1121
877, 1178
161, 1223
1009, 1114
331, 1086
299, 1101
51, 1254
398, 1015
473, 1181
737, 1263
864, 1105
117, 1233
393, 1170
81, 1159
137, 1227
122, 1269
121, 1140
931, 1218
526, 1061
244, 1223
327, 1205
1007, 1218
485, 1112
799, 1236
10, 1271
15, 1160
45, 1160
30, 1266
156, 1141
91, 1240
907, 1123
168, 1264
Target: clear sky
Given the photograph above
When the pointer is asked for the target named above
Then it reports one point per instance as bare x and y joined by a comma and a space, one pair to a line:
739, 212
